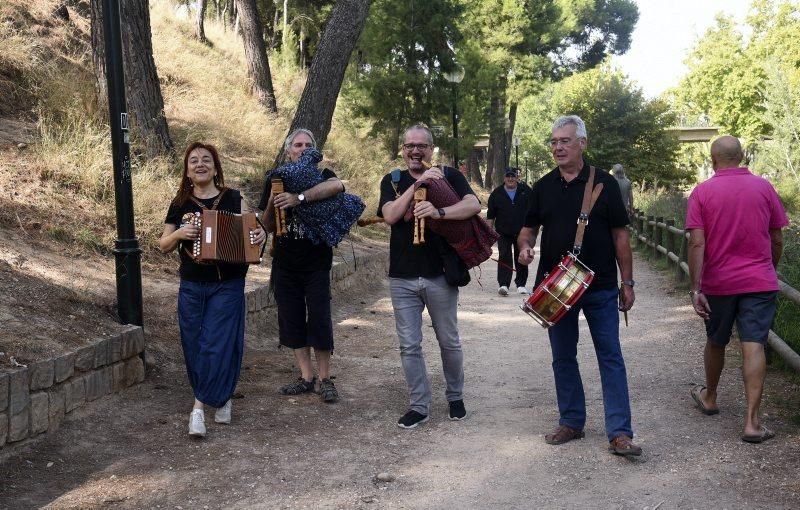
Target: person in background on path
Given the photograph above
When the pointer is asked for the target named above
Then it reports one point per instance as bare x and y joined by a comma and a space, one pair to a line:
301, 275
506, 211
734, 221
555, 205
625, 187
416, 276
211, 305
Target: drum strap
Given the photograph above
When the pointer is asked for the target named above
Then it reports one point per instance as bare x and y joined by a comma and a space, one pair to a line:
589, 198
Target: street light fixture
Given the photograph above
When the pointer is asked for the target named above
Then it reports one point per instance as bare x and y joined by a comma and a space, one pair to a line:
516, 143
455, 76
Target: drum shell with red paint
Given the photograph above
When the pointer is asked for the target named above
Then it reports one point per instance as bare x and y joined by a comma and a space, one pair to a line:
559, 291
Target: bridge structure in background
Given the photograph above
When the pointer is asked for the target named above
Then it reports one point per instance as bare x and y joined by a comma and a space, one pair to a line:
695, 134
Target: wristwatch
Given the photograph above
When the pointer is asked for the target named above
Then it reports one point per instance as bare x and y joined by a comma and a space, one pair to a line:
693, 293
301, 197
441, 212
629, 283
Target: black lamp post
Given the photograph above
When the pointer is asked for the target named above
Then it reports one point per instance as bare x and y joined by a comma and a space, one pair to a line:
455, 76
126, 248
516, 143
525, 158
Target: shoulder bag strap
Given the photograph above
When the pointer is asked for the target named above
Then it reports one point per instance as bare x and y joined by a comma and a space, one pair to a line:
589, 197
214, 205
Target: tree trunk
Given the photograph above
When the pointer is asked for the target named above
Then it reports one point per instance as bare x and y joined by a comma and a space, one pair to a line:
99, 53
199, 29
145, 102
499, 144
512, 122
256, 53
318, 102
474, 168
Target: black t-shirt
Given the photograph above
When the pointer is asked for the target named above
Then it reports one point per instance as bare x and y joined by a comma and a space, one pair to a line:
190, 270
293, 251
405, 259
555, 205
508, 216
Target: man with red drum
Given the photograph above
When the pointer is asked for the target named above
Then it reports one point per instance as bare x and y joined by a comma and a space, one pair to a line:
555, 205
734, 221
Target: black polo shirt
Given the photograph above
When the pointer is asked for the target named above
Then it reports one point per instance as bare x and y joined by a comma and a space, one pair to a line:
405, 259
508, 216
555, 205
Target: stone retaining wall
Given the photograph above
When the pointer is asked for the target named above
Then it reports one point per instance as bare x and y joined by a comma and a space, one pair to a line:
345, 274
35, 399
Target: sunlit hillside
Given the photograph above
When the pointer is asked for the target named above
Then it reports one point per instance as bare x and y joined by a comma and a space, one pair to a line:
46, 70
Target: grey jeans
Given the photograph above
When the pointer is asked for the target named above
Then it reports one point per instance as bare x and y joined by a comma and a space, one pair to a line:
409, 297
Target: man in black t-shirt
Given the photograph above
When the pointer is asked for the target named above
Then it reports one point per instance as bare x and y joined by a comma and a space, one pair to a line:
506, 211
555, 205
416, 275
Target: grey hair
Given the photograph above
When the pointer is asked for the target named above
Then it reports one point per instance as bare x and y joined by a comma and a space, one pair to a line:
289, 139
574, 120
421, 127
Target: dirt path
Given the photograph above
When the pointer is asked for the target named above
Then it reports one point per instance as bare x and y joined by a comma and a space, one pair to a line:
132, 450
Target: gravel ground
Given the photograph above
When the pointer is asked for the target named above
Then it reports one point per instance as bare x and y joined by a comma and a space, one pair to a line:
132, 451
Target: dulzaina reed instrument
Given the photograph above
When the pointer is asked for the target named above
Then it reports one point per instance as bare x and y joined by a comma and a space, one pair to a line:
373, 220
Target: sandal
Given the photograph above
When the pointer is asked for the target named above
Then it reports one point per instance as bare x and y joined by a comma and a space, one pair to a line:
696, 396
759, 438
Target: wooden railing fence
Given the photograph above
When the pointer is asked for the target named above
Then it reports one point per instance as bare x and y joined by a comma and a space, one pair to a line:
672, 244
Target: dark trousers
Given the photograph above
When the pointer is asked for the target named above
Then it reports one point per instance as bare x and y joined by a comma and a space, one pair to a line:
600, 309
507, 245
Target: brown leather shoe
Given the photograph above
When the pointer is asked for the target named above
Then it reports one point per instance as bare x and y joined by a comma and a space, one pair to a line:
563, 434
623, 445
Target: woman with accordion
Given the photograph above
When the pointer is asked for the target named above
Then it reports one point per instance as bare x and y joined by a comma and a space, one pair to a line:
309, 212
211, 305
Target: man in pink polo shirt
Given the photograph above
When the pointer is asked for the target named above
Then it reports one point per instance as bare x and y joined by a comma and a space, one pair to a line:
734, 220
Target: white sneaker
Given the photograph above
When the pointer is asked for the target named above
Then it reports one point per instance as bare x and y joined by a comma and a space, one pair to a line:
223, 414
197, 425
503, 291
522, 290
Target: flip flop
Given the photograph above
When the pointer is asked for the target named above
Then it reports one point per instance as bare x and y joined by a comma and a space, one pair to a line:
759, 438
696, 390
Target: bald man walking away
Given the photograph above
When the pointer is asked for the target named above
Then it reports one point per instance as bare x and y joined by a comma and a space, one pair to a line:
735, 221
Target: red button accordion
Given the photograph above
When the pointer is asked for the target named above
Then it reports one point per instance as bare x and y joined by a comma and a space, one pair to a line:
224, 237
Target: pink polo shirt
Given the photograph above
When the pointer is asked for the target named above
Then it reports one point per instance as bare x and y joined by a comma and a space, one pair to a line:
736, 210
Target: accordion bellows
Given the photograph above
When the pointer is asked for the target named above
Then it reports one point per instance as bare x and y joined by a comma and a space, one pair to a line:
325, 221
225, 237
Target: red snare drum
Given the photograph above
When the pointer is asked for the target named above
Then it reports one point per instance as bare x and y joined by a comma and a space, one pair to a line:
560, 289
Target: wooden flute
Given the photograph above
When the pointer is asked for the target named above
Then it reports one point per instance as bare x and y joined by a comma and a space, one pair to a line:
280, 214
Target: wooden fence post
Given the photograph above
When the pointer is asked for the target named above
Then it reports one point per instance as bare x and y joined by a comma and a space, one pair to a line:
656, 236
670, 244
684, 257
648, 232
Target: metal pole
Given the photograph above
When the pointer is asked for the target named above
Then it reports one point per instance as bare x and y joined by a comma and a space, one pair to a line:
516, 156
126, 248
455, 125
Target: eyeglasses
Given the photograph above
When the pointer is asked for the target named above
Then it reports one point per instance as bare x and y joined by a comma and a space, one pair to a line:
420, 146
563, 142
